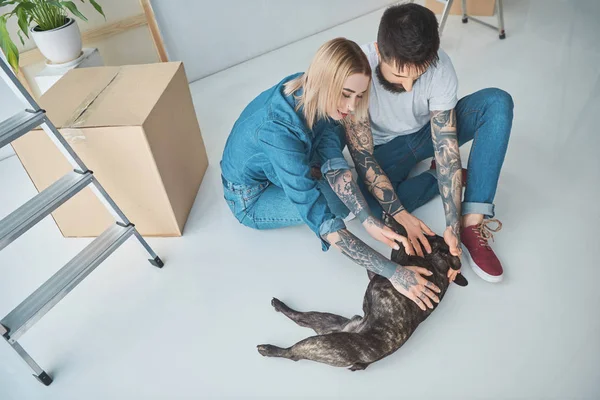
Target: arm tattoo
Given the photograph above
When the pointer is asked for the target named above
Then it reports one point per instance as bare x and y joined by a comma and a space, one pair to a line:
355, 249
371, 221
360, 144
447, 158
347, 190
405, 278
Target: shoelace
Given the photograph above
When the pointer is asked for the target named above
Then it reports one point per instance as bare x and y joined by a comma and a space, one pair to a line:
485, 232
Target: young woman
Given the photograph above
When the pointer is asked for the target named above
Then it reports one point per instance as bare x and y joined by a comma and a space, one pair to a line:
270, 163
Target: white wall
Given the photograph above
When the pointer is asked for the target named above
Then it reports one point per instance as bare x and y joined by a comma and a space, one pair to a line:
209, 35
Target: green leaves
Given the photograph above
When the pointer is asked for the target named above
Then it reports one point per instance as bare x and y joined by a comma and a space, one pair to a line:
7, 46
47, 14
7, 2
73, 8
97, 7
22, 17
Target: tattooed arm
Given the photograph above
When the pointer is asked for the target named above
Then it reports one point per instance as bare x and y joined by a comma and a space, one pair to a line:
360, 144
343, 184
407, 280
447, 158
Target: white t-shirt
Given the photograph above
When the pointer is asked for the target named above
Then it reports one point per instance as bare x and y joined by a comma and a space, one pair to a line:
396, 114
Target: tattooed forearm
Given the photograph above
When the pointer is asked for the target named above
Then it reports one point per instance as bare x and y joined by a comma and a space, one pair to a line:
360, 144
447, 158
353, 248
360, 253
404, 277
347, 190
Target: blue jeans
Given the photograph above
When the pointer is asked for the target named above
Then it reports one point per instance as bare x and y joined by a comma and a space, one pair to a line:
484, 117
266, 206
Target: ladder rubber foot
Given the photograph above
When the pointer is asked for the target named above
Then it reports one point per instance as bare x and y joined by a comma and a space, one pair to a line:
157, 262
502, 35
465, 20
44, 378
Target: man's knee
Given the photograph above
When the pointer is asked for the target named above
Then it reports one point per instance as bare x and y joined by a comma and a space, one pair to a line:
499, 99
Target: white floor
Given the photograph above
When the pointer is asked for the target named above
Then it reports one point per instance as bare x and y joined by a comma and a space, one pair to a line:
189, 331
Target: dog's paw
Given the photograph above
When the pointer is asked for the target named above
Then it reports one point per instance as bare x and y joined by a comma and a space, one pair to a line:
269, 350
277, 304
263, 349
358, 366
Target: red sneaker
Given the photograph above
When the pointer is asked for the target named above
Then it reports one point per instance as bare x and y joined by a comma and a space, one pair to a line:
480, 255
464, 173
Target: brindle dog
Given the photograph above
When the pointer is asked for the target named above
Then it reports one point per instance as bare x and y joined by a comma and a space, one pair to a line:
389, 317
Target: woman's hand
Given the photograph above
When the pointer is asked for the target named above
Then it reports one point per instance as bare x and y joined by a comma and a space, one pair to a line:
382, 233
409, 282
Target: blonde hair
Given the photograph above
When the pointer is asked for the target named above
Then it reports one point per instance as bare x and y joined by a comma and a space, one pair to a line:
323, 82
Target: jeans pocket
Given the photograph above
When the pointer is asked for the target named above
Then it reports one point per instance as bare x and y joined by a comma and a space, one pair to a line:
250, 195
234, 200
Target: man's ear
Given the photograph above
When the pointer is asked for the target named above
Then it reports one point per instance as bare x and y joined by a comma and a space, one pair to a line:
377, 51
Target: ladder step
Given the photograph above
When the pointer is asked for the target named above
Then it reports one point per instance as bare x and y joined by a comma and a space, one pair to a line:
26, 314
19, 124
48, 200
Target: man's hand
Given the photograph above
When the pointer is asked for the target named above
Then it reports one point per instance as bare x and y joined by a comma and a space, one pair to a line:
453, 242
409, 282
414, 229
380, 232
452, 273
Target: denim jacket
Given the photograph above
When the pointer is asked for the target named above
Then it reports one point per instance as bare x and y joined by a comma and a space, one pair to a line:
271, 142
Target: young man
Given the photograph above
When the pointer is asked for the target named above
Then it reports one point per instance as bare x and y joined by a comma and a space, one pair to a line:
415, 114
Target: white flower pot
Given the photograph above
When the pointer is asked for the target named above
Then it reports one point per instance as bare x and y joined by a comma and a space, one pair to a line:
59, 45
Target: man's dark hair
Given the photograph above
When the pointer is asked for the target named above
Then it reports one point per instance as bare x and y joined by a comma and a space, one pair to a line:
408, 37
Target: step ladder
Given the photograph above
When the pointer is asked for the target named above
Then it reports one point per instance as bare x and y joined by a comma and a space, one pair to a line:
26, 314
466, 17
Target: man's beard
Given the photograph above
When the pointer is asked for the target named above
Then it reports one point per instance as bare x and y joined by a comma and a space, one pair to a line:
387, 85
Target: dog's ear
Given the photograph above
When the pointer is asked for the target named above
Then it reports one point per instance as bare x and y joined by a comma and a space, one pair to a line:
460, 280
391, 223
399, 256
438, 244
454, 262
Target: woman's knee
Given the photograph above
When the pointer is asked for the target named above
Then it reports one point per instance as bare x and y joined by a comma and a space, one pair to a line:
246, 219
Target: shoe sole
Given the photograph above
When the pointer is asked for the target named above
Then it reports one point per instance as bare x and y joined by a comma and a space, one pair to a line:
480, 272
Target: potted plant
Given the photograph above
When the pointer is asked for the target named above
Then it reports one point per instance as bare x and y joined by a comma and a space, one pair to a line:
56, 34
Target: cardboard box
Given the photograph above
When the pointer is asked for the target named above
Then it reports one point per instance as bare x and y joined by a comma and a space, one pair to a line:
135, 127
476, 8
